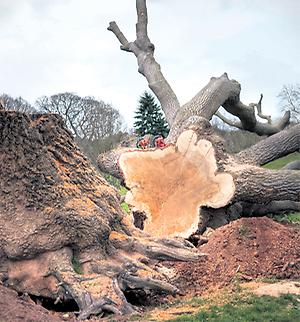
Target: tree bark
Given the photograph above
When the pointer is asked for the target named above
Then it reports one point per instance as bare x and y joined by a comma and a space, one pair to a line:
256, 185
269, 208
55, 208
252, 184
274, 147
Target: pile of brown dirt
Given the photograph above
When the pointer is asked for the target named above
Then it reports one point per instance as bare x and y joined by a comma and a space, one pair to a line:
244, 249
14, 308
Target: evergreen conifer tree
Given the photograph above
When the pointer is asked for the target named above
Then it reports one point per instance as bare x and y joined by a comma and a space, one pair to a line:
149, 117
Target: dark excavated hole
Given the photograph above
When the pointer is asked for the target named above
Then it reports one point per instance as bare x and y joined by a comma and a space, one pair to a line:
66, 305
137, 297
138, 219
141, 297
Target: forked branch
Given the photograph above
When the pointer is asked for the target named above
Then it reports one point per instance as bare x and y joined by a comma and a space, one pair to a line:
259, 110
246, 114
143, 49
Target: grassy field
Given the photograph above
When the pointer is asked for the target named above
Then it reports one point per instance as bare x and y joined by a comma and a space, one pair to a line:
291, 218
285, 308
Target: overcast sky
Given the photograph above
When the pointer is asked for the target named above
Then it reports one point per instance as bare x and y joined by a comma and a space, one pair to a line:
53, 46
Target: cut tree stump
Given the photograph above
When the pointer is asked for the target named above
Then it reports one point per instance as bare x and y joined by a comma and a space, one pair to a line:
171, 184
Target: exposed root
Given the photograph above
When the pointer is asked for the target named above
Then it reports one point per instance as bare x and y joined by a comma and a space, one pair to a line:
132, 266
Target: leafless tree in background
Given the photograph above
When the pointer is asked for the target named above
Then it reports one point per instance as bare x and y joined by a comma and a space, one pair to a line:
68, 105
17, 104
98, 119
290, 100
95, 124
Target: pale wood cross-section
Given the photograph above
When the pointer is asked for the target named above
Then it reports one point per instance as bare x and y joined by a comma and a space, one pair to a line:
171, 184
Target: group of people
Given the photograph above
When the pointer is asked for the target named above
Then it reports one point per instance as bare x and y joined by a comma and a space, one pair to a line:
149, 141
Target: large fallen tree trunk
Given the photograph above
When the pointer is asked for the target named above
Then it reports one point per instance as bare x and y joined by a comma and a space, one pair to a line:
171, 185
57, 213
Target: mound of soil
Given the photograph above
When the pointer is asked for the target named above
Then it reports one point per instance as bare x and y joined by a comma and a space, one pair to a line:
244, 249
14, 308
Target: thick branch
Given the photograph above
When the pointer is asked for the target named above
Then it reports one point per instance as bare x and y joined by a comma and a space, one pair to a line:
248, 119
205, 104
256, 184
118, 33
141, 26
273, 207
143, 49
294, 165
224, 92
273, 147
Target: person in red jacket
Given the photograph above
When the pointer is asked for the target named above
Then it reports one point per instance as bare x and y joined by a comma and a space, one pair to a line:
158, 142
144, 142
147, 142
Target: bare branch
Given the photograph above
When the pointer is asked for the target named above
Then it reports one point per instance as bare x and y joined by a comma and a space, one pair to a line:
259, 111
255, 184
141, 26
143, 49
226, 120
246, 113
118, 33
290, 100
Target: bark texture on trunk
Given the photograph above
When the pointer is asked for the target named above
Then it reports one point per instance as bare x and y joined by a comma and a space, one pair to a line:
274, 147
256, 185
55, 208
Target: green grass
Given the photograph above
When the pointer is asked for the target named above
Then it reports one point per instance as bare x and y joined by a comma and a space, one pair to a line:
291, 218
122, 190
281, 162
112, 180
125, 207
250, 309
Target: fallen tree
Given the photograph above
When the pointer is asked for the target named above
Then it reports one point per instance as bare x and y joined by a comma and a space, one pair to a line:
183, 186
63, 235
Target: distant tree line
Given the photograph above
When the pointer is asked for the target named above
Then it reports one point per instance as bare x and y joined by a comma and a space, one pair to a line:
290, 100
17, 104
96, 125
